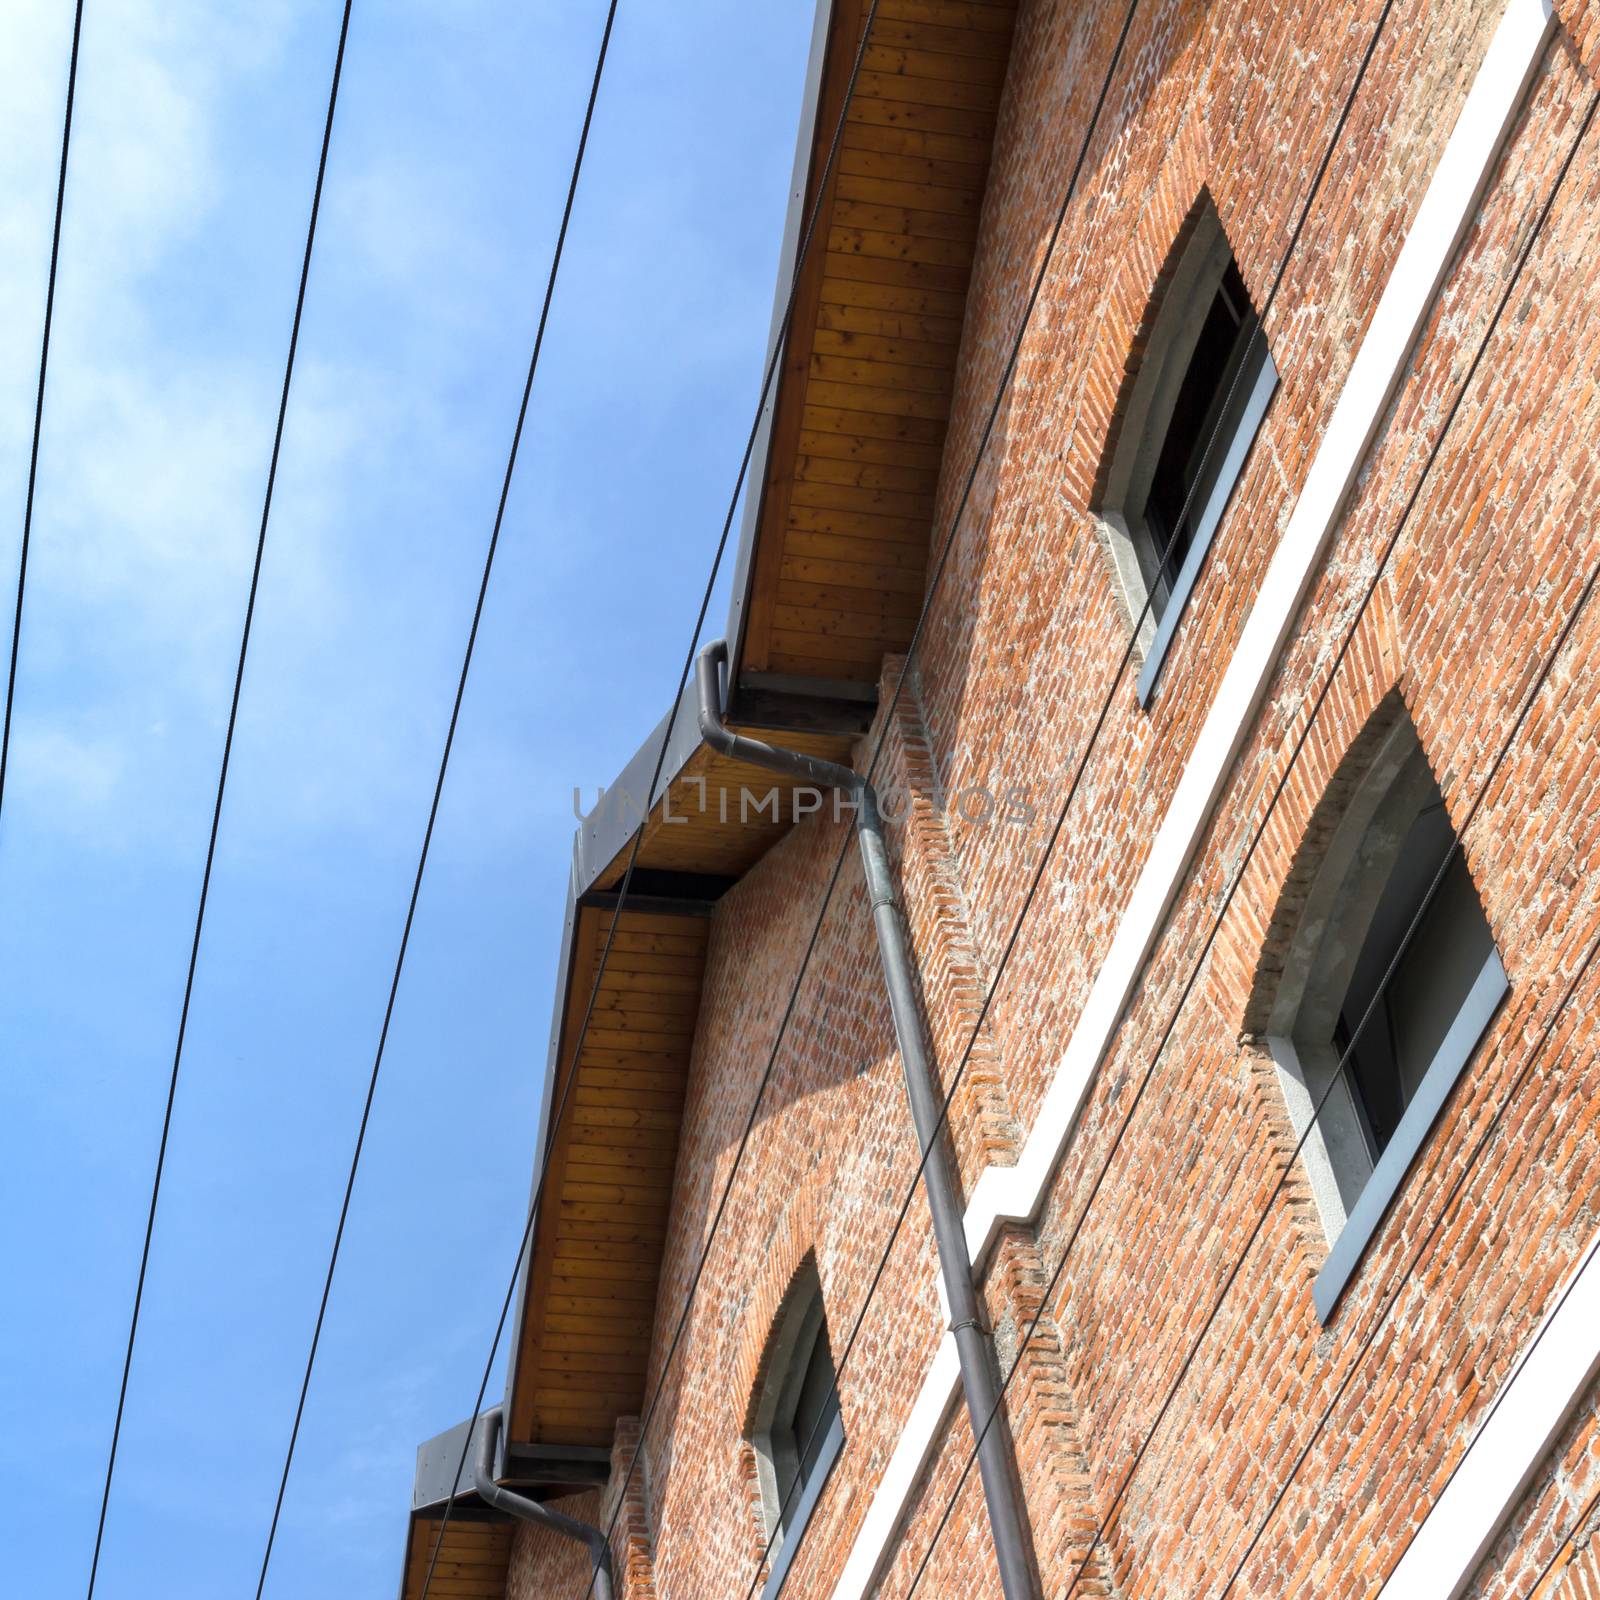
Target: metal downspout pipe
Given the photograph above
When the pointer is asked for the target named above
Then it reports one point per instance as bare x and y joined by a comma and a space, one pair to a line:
541, 1516
972, 1338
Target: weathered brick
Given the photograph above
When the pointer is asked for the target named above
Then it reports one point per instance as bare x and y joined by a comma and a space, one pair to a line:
1164, 1186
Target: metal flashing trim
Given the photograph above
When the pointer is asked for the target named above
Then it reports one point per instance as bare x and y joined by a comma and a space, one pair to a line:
437, 1462
755, 484
1005, 1194
851, 689
663, 893
623, 808
573, 1466
785, 703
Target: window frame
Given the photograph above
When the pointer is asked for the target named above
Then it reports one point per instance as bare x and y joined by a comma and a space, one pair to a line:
1351, 1190
1131, 544
772, 1437
1262, 385
794, 1531
1457, 1048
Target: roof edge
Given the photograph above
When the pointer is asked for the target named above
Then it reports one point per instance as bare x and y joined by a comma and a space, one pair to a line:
755, 486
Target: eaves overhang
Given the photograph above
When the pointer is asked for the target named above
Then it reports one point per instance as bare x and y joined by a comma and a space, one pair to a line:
828, 581
474, 1557
833, 550
473, 1549
628, 987
829, 576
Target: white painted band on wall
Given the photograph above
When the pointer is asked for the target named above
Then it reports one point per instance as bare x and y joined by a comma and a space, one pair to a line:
1015, 1193
1555, 1368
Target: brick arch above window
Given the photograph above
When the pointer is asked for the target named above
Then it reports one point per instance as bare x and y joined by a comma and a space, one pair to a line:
793, 1242
1128, 310
1377, 973
1328, 818
1193, 378
792, 1426
1145, 299
1252, 942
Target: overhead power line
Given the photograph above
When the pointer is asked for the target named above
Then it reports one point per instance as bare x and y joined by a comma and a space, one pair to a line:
1046, 262
38, 404
222, 784
955, 522
1568, 1545
910, 653
1412, 500
558, 1116
439, 782
1222, 913
1392, 1298
1081, 766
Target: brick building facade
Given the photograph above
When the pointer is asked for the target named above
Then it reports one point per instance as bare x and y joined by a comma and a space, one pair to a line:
1280, 1310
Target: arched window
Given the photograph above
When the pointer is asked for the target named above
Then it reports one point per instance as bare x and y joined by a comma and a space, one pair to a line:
798, 1431
1191, 412
1383, 994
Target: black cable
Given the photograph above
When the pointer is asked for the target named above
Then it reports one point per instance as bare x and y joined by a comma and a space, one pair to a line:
1565, 1545
1561, 639
886, 719
1457, 1186
439, 781
1255, 841
983, 1011
1217, 923
638, 839
222, 784
1082, 765
38, 405
1517, 1082
1538, 684
1584, 1261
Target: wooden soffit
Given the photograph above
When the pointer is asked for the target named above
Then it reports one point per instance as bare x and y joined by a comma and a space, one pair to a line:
474, 1558
588, 1308
581, 1352
864, 391
719, 817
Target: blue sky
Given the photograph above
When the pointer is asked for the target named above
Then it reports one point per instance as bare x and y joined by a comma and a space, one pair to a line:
192, 164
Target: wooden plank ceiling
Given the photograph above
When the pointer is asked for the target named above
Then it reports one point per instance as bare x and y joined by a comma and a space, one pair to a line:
864, 393
837, 582
584, 1343
597, 1252
473, 1561
718, 817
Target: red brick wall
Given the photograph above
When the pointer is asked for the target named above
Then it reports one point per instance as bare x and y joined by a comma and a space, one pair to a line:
1551, 1549
1022, 644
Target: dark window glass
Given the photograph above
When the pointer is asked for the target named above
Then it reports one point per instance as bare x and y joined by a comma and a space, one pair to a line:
1183, 474
816, 1405
801, 1435
1412, 1014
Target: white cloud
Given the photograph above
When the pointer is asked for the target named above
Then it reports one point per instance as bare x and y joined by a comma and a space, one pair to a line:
81, 771
158, 428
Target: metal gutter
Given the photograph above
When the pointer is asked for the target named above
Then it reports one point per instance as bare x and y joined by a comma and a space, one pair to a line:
535, 1512
974, 1342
